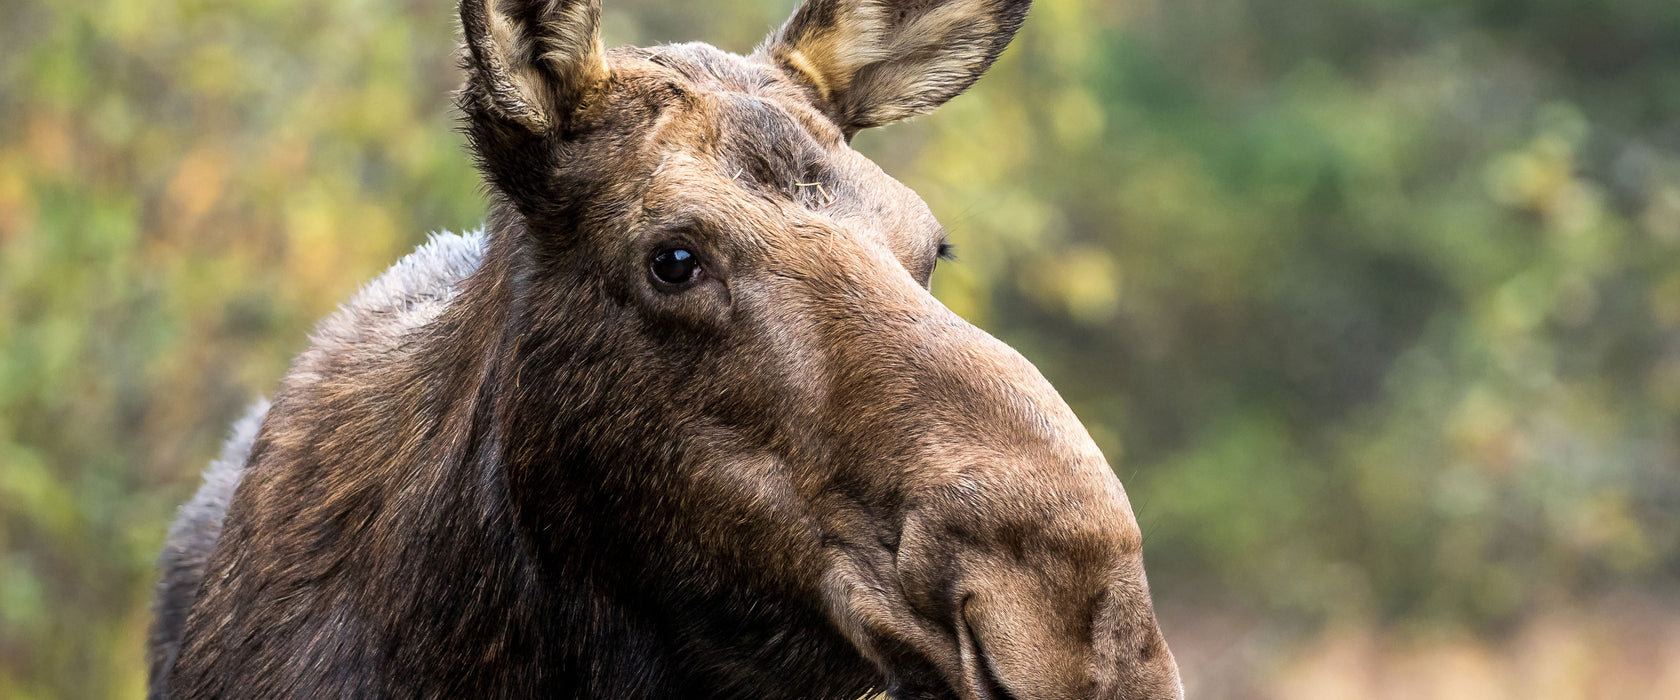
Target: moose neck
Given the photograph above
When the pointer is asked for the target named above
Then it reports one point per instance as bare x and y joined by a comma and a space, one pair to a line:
403, 564
550, 335
482, 607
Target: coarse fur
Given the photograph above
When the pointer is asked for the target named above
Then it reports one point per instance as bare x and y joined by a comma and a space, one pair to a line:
522, 463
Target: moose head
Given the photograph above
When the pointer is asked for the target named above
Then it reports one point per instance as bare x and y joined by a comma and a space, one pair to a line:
814, 428
692, 425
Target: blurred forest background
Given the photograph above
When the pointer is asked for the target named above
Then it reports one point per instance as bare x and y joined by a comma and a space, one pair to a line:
1375, 304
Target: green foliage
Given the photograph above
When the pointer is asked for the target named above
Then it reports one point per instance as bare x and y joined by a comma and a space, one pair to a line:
1375, 305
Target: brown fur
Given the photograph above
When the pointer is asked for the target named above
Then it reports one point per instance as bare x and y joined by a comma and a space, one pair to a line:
517, 465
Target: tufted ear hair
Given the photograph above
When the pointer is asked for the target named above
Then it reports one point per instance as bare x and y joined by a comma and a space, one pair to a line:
873, 62
532, 62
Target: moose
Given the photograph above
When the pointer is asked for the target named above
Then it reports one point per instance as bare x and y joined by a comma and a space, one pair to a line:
683, 419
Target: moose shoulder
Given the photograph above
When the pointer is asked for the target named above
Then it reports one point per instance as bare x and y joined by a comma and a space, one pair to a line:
683, 421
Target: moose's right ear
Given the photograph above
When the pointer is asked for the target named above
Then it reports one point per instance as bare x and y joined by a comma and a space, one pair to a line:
532, 62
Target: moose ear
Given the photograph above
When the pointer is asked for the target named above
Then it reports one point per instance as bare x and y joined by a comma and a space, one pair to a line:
533, 62
873, 62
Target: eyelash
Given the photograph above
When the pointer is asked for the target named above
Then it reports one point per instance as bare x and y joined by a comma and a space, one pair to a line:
947, 252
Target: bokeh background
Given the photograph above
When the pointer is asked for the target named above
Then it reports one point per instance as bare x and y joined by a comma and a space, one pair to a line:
1375, 304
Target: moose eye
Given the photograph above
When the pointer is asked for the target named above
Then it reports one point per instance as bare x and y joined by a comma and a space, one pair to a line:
675, 266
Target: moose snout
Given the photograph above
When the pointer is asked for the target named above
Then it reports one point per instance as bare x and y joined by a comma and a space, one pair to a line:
1048, 604
1020, 641
1018, 561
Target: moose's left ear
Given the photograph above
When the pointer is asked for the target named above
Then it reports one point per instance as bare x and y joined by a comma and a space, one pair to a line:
873, 62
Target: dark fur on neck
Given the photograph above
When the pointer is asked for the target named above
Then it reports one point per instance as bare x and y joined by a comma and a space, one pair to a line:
418, 517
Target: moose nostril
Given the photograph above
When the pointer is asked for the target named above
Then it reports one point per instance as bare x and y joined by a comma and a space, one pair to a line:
985, 680
989, 681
